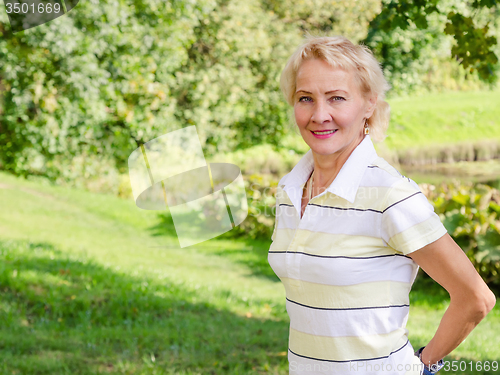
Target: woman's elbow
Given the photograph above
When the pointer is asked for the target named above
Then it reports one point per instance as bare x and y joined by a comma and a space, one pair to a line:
476, 304
484, 303
490, 302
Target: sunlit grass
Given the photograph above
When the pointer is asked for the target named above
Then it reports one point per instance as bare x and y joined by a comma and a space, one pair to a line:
444, 118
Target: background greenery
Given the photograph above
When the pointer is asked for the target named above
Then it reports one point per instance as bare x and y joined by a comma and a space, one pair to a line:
78, 94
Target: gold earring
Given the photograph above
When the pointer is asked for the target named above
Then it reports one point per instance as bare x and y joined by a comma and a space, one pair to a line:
367, 129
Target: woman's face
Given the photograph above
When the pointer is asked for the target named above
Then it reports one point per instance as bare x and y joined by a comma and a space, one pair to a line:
329, 99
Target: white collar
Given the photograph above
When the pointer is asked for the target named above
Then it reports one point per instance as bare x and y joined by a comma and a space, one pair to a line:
346, 182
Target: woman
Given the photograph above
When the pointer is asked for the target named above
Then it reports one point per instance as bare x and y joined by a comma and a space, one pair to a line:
351, 231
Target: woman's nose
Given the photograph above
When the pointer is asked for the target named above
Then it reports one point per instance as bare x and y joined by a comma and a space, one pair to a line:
320, 113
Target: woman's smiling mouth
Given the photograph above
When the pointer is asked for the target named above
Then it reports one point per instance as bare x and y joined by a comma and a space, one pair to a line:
323, 133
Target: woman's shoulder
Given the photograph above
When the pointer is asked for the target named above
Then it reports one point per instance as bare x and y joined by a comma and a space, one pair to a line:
397, 186
390, 175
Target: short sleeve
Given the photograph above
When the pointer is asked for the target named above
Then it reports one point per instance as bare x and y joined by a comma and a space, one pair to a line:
408, 219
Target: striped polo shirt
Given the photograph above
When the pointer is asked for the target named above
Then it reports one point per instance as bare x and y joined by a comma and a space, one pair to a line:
345, 268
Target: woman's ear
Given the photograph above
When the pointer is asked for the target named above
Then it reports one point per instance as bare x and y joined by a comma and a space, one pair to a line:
372, 104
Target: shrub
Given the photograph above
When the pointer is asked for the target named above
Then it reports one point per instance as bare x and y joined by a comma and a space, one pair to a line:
471, 214
259, 224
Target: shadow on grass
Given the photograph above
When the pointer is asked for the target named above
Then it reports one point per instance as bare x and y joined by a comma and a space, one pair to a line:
165, 226
65, 315
253, 255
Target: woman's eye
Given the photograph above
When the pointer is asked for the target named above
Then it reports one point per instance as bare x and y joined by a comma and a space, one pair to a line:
308, 98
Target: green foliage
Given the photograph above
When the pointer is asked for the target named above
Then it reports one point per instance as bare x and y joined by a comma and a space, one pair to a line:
414, 39
471, 214
401, 14
474, 48
259, 224
260, 166
92, 84
78, 94
229, 84
407, 55
261, 159
331, 17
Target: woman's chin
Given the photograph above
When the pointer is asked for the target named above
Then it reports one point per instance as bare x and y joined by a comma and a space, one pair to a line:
324, 150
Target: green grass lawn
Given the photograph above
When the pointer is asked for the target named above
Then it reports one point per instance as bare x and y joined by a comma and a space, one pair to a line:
91, 284
444, 118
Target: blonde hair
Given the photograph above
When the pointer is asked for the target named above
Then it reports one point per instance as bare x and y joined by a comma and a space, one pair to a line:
340, 52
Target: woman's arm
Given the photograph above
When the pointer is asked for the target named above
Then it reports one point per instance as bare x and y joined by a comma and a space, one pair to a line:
470, 297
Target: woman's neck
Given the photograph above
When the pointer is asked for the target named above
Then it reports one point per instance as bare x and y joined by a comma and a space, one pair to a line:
327, 167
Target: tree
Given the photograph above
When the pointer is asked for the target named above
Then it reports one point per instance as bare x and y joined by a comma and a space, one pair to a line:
468, 22
78, 94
